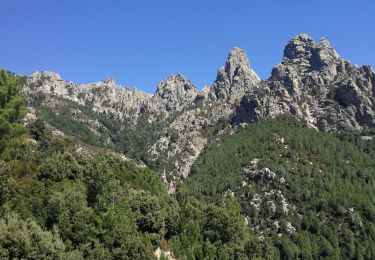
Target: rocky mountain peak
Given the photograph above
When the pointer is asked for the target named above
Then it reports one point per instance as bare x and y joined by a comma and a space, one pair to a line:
45, 76
324, 43
324, 55
307, 62
236, 60
314, 83
299, 47
109, 82
176, 84
237, 65
302, 51
235, 78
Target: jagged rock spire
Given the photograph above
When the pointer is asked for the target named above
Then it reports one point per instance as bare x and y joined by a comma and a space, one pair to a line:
299, 47
302, 55
236, 65
324, 54
304, 52
235, 78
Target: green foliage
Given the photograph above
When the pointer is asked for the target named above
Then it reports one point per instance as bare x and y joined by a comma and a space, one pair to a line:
211, 231
117, 227
11, 128
60, 167
58, 204
25, 239
11, 113
105, 207
191, 245
101, 207
64, 121
67, 211
329, 180
37, 129
134, 141
147, 213
130, 138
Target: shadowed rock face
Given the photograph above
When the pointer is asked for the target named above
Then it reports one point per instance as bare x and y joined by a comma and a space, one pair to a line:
312, 83
299, 47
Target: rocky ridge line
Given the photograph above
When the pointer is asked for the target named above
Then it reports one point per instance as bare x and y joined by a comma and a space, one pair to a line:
312, 83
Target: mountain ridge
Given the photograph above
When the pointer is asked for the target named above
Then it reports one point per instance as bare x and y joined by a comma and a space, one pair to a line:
312, 83
323, 43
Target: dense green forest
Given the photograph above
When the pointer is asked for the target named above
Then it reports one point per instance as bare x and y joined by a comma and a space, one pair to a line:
309, 194
271, 190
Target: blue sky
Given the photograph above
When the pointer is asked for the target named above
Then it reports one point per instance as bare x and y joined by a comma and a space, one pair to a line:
140, 42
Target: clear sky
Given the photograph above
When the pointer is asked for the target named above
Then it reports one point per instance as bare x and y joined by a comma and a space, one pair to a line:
140, 42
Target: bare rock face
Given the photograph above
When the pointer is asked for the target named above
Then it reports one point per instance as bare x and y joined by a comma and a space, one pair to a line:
103, 97
46, 76
175, 93
237, 69
315, 84
235, 78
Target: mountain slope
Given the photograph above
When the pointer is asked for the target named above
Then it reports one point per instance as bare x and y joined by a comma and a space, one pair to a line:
310, 194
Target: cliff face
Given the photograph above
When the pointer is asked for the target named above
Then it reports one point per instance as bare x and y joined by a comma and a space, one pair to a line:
312, 83
315, 84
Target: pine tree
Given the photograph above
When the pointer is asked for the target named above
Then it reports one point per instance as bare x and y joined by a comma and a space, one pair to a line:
11, 113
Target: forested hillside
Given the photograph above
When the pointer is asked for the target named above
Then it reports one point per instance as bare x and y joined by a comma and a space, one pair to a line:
309, 194
57, 203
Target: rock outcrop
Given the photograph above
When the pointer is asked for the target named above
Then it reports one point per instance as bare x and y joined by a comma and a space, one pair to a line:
315, 84
235, 78
175, 93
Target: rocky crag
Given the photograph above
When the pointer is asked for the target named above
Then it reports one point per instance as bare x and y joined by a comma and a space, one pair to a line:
312, 83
